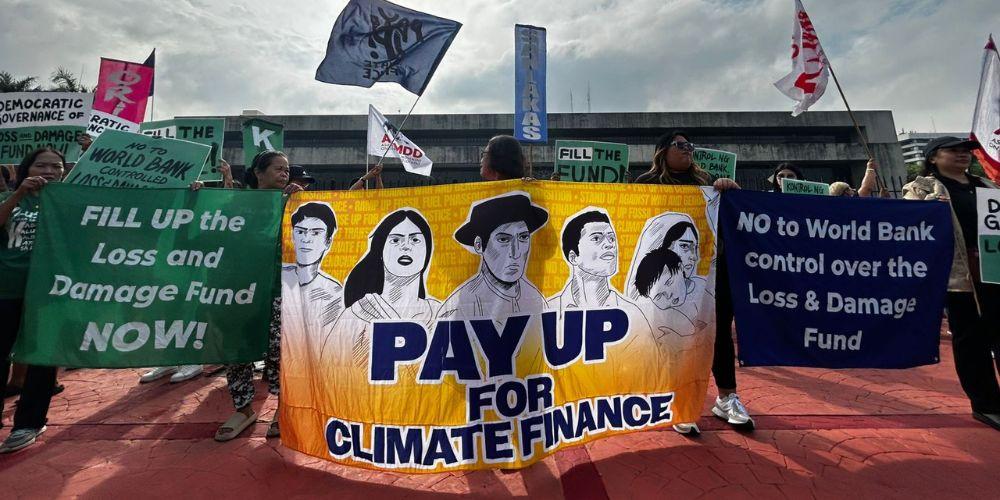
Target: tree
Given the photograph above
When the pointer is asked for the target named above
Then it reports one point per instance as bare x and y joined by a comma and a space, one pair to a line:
65, 81
10, 83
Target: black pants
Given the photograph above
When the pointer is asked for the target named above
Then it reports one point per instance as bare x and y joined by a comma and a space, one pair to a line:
974, 337
724, 361
38, 382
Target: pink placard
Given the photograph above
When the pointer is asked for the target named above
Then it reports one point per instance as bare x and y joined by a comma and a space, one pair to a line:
122, 89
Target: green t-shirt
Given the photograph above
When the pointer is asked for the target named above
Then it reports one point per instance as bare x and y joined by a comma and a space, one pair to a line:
16, 241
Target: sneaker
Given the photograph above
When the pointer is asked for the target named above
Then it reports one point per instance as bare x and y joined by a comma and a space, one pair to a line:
185, 372
732, 410
990, 419
20, 439
157, 374
690, 429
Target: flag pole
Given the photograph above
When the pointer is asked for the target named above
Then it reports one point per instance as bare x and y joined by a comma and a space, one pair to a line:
854, 120
399, 130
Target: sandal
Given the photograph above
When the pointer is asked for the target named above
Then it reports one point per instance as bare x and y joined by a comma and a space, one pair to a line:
272, 430
235, 425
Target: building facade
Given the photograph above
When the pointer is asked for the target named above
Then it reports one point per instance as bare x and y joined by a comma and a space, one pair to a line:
824, 144
913, 143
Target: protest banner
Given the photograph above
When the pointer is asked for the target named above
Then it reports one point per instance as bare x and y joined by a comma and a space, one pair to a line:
261, 135
470, 326
32, 120
719, 164
120, 97
531, 123
793, 186
124, 159
207, 131
591, 161
988, 208
836, 282
139, 277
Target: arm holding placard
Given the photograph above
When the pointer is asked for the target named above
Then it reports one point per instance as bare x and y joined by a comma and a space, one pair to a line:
30, 185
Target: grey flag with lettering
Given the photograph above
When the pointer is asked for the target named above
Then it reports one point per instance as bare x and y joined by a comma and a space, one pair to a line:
378, 41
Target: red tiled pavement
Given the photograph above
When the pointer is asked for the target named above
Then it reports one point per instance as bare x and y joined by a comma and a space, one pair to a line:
820, 433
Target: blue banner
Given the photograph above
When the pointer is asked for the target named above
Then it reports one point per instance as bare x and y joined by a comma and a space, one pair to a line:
836, 282
379, 41
530, 121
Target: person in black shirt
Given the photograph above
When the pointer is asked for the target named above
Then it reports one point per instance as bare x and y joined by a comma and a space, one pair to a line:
973, 312
673, 164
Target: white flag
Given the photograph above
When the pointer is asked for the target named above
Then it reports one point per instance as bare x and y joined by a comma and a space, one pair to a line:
807, 81
986, 119
380, 134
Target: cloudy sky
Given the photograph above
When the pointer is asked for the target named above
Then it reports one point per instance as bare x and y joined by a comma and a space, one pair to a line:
918, 58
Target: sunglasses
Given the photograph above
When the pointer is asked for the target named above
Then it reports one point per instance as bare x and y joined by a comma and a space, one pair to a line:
683, 146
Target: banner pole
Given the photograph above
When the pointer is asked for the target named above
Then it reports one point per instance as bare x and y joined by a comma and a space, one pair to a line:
854, 120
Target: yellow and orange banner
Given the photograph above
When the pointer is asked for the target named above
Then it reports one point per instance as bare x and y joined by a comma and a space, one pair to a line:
471, 326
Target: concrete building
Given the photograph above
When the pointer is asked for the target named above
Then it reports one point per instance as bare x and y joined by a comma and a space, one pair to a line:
825, 144
913, 143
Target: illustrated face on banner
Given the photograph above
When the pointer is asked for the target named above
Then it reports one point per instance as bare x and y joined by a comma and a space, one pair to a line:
312, 238
598, 250
686, 247
506, 252
405, 250
669, 290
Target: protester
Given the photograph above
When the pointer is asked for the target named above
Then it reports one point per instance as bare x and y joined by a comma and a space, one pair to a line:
361, 182
673, 164
785, 171
502, 159
297, 175
188, 372
19, 219
973, 314
269, 170
868, 184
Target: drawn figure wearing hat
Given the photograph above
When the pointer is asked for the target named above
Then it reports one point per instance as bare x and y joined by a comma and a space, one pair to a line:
310, 295
499, 230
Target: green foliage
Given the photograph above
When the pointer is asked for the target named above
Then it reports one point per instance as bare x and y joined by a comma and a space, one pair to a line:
62, 80
10, 83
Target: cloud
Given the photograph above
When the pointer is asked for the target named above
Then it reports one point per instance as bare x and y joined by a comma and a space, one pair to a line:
918, 58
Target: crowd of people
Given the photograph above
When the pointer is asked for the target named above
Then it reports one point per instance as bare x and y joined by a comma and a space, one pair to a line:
973, 315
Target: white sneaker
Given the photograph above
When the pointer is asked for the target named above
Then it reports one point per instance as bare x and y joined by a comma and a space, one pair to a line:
185, 372
157, 374
20, 439
732, 410
689, 429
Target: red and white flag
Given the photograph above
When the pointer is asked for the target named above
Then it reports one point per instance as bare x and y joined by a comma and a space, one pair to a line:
380, 142
986, 119
807, 81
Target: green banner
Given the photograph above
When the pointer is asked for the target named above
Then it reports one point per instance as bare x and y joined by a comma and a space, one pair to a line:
792, 186
124, 159
207, 131
140, 277
988, 208
32, 120
720, 164
261, 135
591, 161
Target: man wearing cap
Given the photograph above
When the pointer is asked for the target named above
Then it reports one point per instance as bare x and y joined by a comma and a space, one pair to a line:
499, 230
973, 316
297, 175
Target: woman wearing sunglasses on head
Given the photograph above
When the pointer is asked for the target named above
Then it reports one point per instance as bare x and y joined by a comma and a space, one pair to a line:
673, 163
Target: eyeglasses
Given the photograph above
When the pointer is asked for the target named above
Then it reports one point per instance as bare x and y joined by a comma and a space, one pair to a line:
683, 146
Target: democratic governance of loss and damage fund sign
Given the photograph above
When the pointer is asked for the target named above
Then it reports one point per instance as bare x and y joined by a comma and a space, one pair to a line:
836, 282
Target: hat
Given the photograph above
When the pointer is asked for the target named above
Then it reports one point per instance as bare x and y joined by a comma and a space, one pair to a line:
487, 215
948, 142
298, 172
